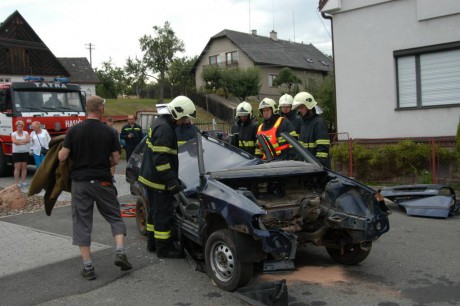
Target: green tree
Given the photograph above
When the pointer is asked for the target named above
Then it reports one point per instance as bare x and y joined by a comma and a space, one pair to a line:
159, 52
241, 83
179, 74
212, 77
326, 94
135, 74
286, 78
112, 80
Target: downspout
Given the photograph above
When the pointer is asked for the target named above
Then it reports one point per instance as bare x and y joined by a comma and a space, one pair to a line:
325, 16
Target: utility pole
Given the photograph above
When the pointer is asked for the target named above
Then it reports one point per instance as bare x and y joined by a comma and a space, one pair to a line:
90, 46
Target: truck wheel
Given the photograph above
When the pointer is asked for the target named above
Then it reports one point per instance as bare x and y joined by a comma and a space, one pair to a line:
5, 169
141, 215
352, 254
222, 264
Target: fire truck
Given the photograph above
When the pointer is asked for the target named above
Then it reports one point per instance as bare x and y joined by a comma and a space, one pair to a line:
56, 104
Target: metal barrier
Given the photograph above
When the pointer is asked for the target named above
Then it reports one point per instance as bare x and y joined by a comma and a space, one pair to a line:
396, 161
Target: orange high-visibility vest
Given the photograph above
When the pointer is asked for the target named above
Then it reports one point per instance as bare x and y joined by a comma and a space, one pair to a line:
271, 135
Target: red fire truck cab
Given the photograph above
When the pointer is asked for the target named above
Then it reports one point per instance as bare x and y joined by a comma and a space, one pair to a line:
57, 105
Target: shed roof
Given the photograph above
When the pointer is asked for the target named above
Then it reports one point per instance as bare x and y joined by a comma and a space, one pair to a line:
80, 69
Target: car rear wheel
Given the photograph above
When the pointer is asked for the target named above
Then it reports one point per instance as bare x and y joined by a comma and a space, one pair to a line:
222, 264
351, 254
141, 215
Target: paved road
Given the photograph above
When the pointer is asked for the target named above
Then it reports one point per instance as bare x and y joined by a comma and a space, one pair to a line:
416, 263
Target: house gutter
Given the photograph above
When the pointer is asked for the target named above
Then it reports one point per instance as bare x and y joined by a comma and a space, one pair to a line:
329, 17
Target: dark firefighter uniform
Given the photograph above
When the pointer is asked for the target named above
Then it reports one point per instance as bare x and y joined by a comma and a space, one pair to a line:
246, 134
185, 132
131, 143
296, 121
315, 137
159, 173
273, 128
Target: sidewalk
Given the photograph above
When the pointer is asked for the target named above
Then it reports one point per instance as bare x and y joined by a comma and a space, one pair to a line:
26, 248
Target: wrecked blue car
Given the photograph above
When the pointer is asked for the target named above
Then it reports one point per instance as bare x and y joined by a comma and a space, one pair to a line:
238, 212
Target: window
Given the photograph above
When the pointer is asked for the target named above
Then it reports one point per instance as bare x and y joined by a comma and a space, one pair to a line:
428, 77
231, 58
271, 78
214, 59
5, 80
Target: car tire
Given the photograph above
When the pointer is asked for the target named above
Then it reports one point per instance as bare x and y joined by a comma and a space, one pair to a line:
222, 263
141, 215
352, 255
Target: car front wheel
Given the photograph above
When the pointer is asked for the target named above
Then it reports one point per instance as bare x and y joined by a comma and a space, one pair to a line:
222, 263
351, 254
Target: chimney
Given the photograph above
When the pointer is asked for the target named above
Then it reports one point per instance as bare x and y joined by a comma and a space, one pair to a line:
254, 32
273, 35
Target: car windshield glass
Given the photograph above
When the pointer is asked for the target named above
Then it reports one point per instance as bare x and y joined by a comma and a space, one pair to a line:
217, 156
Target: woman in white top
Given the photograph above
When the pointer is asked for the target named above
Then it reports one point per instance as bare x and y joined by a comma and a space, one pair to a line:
38, 138
20, 139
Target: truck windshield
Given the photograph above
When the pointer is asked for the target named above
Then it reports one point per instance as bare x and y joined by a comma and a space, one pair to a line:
33, 101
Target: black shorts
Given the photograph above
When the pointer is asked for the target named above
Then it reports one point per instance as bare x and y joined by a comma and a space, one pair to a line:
21, 157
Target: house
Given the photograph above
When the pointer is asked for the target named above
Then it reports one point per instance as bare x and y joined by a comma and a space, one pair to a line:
397, 67
23, 53
236, 49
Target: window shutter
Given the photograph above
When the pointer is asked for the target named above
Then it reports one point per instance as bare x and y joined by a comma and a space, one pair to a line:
407, 84
440, 78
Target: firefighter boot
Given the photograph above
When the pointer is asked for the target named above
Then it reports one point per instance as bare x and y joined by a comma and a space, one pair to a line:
166, 249
151, 246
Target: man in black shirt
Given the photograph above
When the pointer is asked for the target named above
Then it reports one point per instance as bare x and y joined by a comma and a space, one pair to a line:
93, 148
131, 133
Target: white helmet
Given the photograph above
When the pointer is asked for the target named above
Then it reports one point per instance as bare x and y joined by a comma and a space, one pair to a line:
304, 98
266, 103
244, 109
285, 100
180, 107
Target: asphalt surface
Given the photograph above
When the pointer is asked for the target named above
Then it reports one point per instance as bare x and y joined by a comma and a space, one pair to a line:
415, 263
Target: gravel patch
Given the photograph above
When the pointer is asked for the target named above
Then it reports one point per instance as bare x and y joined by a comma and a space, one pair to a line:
33, 204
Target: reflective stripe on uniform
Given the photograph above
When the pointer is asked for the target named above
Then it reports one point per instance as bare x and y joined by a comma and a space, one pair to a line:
162, 235
163, 167
323, 142
321, 154
181, 142
247, 143
150, 227
151, 184
161, 149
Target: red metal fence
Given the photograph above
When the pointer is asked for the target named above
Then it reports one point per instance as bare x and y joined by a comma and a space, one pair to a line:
396, 161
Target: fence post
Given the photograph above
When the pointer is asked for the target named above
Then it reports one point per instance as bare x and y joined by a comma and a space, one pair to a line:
350, 159
433, 162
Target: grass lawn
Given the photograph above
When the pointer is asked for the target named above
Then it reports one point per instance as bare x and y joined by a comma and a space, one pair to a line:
124, 107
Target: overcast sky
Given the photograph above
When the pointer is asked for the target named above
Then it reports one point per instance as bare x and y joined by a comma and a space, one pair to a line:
114, 27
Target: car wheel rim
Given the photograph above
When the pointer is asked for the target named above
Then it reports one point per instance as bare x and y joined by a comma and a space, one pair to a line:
222, 262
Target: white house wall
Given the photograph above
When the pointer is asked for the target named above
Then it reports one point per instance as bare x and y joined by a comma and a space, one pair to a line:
364, 42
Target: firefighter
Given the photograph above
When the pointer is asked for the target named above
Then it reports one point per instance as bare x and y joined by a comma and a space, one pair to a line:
272, 126
160, 175
186, 131
132, 135
314, 134
246, 127
285, 109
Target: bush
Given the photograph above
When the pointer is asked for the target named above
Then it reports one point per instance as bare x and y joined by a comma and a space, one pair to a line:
404, 159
